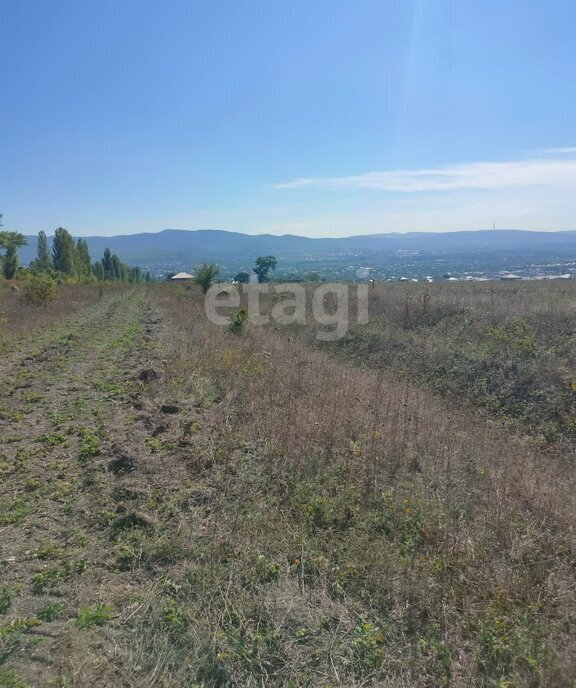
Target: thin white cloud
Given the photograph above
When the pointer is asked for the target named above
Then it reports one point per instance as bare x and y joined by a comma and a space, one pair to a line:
567, 150
557, 173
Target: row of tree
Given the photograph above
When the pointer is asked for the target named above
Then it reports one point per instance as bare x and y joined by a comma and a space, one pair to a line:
67, 259
72, 259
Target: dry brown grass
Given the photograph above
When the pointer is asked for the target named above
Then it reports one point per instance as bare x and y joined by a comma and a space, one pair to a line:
19, 318
508, 350
261, 512
440, 530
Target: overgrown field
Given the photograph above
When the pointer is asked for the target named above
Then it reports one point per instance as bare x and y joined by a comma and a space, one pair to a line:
507, 349
185, 506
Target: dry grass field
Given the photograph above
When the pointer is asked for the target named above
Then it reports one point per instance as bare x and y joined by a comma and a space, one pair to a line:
183, 506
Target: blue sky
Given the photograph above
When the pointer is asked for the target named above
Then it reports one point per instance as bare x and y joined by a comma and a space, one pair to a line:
314, 117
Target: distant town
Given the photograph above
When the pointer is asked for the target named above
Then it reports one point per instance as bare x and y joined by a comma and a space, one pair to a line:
416, 267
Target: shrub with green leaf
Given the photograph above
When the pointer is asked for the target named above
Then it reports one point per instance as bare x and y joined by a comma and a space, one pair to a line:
238, 319
40, 290
205, 275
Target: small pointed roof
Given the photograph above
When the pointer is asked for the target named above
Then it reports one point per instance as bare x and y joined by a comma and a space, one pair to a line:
182, 276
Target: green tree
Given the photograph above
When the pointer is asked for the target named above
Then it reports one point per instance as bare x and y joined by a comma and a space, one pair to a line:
10, 262
205, 275
117, 269
64, 252
43, 262
98, 270
242, 277
108, 265
83, 264
112, 268
263, 266
11, 241
135, 275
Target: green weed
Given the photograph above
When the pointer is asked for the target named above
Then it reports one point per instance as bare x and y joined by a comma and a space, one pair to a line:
98, 615
50, 612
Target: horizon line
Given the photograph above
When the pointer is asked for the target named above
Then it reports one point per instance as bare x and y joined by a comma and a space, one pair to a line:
304, 236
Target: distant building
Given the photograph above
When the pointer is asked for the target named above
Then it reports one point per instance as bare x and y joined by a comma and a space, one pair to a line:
181, 277
510, 277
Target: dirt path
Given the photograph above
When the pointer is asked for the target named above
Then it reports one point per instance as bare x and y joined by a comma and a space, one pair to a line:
79, 465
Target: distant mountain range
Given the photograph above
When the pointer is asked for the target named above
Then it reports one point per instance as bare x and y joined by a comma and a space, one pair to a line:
195, 246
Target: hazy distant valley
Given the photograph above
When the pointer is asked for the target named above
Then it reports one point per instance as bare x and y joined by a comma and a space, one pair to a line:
484, 253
